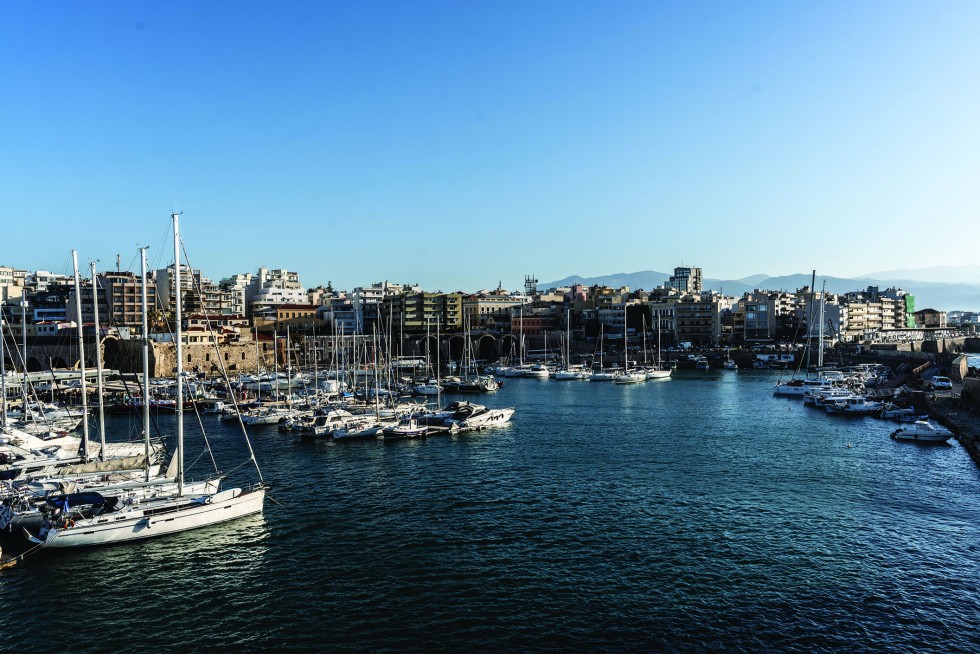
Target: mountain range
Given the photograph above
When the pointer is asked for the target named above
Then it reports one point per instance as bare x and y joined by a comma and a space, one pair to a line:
960, 292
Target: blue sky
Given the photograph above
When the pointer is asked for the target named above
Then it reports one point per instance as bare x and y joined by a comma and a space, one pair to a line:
462, 144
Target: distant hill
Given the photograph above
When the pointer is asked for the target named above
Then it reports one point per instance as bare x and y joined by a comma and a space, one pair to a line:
645, 279
928, 294
939, 274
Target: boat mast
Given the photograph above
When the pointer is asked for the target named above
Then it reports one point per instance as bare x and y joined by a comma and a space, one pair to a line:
98, 360
809, 322
823, 297
659, 365
81, 354
180, 360
3, 378
626, 343
146, 366
23, 352
438, 367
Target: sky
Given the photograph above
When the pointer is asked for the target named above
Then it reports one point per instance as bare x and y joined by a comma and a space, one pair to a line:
463, 144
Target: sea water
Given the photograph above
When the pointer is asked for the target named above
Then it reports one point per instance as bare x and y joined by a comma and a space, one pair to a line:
699, 513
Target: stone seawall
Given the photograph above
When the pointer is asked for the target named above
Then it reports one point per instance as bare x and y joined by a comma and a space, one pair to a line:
962, 416
238, 358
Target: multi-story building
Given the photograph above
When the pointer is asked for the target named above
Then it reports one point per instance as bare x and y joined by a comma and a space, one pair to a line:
368, 301
416, 312
339, 314
40, 280
930, 318
271, 288
870, 311
490, 310
216, 300
236, 287
754, 319
166, 293
533, 321
698, 318
686, 280
123, 295
11, 284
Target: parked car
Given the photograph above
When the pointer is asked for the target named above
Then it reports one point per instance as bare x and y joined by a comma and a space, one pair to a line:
941, 383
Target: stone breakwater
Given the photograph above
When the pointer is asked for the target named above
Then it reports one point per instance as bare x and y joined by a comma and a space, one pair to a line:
962, 416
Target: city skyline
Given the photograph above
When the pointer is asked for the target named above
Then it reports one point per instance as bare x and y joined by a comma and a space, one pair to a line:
462, 146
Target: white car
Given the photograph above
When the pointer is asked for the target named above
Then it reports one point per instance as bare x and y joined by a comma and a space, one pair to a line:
941, 383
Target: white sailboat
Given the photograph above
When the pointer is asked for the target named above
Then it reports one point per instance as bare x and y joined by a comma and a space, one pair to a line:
568, 371
658, 371
628, 376
179, 512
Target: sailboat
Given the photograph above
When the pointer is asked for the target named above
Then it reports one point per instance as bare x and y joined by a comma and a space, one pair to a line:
568, 371
799, 387
658, 372
181, 511
628, 376
601, 374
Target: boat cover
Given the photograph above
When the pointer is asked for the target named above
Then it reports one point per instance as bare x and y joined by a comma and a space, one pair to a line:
88, 498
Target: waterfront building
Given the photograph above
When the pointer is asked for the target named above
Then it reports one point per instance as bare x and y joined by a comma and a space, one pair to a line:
872, 310
698, 318
533, 320
930, 318
225, 327
491, 310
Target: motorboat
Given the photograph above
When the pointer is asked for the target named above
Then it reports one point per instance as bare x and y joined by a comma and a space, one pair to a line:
799, 387
902, 414
819, 397
856, 405
922, 431
406, 428
538, 371
431, 387
630, 377
466, 415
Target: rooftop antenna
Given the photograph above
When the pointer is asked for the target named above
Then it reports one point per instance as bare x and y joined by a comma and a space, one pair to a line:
530, 285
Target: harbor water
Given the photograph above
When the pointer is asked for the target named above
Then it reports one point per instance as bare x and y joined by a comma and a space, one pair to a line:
694, 514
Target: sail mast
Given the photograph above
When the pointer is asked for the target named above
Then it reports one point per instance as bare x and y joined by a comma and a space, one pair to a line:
81, 354
823, 299
3, 378
98, 360
180, 363
146, 365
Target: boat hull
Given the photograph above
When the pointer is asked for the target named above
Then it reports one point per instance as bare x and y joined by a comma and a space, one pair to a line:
150, 522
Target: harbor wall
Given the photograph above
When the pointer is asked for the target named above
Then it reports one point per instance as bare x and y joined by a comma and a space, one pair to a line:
970, 396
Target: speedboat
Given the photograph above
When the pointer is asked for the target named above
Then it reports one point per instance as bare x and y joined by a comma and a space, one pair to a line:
922, 431
466, 415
